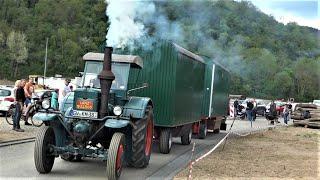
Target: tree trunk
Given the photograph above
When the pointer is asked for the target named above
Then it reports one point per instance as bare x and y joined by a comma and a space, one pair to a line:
15, 70
13, 65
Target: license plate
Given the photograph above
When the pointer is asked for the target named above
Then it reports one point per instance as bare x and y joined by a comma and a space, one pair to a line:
85, 114
85, 104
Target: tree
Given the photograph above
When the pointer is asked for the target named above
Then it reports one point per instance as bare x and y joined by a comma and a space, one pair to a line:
17, 48
307, 77
283, 85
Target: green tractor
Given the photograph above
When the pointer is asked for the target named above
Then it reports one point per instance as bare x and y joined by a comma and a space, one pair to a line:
99, 119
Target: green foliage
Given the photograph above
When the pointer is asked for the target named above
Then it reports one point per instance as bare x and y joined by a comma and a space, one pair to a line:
267, 59
73, 27
17, 48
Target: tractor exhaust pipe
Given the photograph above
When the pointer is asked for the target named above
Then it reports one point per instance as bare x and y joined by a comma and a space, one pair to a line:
106, 77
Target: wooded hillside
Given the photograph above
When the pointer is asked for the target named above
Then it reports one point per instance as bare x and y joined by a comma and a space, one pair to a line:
267, 59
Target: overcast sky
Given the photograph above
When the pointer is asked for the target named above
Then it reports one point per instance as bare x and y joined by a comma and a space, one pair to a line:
303, 12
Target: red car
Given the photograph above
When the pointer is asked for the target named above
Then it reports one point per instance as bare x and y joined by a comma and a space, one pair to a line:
279, 107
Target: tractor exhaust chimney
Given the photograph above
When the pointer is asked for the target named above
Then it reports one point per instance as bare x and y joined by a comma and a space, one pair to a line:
106, 77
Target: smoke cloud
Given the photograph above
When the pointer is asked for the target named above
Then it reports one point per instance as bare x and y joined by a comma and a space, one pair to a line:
144, 23
125, 22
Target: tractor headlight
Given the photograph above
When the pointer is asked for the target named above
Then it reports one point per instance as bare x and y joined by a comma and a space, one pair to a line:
45, 104
117, 110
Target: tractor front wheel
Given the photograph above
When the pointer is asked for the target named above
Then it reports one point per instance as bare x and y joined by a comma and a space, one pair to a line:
165, 140
115, 156
43, 149
142, 138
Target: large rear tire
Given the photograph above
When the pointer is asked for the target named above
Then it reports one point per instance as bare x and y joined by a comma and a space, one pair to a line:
115, 156
42, 150
142, 137
165, 141
186, 137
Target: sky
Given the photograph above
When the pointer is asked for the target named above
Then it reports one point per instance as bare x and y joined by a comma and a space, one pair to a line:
303, 12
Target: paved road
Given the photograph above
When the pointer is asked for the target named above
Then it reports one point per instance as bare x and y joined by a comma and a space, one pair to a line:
17, 160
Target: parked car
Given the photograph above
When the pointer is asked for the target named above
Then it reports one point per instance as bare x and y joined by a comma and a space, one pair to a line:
6, 98
279, 107
260, 109
316, 102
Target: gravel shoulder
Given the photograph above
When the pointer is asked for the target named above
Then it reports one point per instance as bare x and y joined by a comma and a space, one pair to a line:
7, 134
288, 152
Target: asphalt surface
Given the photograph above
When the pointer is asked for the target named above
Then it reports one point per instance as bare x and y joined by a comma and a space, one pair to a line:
16, 161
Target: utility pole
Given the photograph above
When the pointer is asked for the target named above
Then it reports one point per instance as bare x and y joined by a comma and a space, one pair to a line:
45, 61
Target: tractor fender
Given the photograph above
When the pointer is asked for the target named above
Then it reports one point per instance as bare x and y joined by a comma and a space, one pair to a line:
116, 123
59, 130
40, 116
136, 106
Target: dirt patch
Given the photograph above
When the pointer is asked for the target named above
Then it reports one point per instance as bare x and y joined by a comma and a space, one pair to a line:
290, 153
7, 134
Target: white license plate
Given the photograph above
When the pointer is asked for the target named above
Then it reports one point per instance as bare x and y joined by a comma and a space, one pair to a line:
85, 114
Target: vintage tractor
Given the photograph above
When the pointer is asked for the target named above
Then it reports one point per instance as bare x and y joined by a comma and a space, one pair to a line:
100, 119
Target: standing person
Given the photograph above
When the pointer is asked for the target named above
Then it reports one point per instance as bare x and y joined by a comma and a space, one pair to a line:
249, 111
16, 86
54, 99
64, 91
254, 112
20, 99
290, 111
235, 107
286, 114
28, 90
273, 111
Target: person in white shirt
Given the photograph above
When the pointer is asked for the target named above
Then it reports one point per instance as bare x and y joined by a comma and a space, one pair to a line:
64, 91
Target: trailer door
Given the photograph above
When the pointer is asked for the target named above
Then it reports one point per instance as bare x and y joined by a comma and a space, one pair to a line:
211, 93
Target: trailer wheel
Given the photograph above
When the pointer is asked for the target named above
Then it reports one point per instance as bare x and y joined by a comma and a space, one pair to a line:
186, 137
142, 137
42, 149
115, 156
165, 141
203, 130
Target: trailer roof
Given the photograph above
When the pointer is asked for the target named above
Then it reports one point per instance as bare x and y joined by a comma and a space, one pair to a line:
188, 53
133, 60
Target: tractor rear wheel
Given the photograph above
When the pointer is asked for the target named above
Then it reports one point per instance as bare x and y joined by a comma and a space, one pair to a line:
165, 140
142, 137
186, 137
203, 130
43, 157
115, 156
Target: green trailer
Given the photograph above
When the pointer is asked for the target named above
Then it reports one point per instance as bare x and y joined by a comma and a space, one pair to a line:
215, 103
189, 92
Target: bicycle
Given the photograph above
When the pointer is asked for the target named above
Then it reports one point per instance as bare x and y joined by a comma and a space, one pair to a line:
31, 111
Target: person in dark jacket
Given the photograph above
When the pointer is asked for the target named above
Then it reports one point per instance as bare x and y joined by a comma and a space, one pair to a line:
235, 107
249, 110
20, 99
